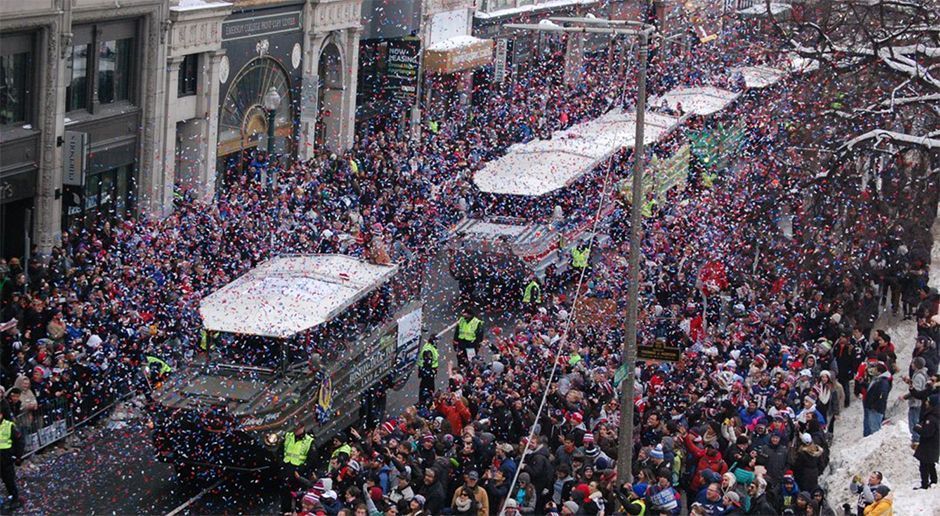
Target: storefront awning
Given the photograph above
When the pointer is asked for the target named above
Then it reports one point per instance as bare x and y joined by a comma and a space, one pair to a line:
457, 54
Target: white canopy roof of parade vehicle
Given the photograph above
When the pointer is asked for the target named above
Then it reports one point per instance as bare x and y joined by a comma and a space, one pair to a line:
290, 294
759, 76
701, 101
540, 167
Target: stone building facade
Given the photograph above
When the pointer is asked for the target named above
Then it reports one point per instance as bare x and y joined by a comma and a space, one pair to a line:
108, 106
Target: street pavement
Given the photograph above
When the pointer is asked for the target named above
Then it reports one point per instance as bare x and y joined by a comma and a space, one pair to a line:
114, 470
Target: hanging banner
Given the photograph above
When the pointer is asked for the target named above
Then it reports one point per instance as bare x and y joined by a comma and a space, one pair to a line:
501, 60
401, 71
75, 158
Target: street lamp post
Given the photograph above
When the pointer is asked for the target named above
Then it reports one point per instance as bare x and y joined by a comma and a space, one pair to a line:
643, 31
271, 101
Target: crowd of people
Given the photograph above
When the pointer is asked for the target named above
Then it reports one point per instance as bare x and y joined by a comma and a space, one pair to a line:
775, 342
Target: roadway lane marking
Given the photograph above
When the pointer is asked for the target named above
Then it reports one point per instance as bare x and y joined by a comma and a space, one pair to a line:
445, 330
194, 499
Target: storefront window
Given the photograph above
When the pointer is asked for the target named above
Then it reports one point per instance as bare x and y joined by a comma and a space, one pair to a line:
76, 92
14, 80
108, 196
114, 66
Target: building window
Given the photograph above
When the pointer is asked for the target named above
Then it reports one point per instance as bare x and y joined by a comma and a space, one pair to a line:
14, 87
189, 77
76, 92
114, 70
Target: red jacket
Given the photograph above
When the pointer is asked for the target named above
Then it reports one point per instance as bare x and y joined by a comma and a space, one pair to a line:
457, 414
705, 461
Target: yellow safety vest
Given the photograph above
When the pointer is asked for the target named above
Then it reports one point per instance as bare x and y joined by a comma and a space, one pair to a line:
343, 448
579, 258
643, 505
162, 367
467, 330
6, 434
434, 355
205, 343
647, 210
527, 295
295, 452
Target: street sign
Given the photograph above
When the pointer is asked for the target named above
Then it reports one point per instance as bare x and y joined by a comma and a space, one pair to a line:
658, 350
74, 158
502, 57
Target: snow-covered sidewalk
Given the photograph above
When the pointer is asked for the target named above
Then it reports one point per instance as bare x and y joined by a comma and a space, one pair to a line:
888, 450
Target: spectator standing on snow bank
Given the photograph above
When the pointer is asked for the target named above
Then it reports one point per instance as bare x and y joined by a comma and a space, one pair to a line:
927, 452
917, 383
875, 402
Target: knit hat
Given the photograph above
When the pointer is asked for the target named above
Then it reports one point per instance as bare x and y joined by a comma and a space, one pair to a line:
421, 500
806, 438
788, 476
388, 426
354, 465
883, 490
657, 452
428, 438
375, 493
311, 497
572, 506
576, 417
588, 438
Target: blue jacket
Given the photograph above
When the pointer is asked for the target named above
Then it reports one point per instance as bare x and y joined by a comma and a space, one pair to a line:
876, 398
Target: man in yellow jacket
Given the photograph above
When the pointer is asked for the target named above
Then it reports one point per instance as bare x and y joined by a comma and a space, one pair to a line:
883, 504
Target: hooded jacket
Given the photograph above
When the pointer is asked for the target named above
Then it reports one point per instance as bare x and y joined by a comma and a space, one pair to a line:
876, 397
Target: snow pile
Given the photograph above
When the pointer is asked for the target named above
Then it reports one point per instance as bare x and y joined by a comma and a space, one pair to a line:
887, 451
454, 43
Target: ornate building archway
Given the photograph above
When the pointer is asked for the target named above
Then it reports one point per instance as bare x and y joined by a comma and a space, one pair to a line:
243, 121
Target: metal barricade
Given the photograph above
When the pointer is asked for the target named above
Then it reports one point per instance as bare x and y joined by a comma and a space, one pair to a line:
57, 418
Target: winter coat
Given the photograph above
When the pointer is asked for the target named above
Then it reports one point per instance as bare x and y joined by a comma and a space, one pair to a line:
482, 500
435, 499
883, 507
876, 397
807, 466
761, 506
929, 429
457, 415
774, 458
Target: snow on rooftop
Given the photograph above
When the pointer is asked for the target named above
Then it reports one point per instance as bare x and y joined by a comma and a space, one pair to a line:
195, 5
543, 166
547, 4
700, 101
455, 43
761, 8
759, 76
290, 294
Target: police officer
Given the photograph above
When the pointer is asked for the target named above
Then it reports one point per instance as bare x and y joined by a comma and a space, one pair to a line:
427, 371
532, 295
11, 448
467, 336
580, 258
159, 369
296, 449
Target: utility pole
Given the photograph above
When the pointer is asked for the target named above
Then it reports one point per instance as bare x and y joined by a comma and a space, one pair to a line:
643, 31
625, 443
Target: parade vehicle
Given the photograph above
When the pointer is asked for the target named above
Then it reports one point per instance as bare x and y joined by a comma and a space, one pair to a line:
540, 199
297, 340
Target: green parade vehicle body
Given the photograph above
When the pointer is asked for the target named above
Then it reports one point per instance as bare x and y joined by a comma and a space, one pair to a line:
297, 340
